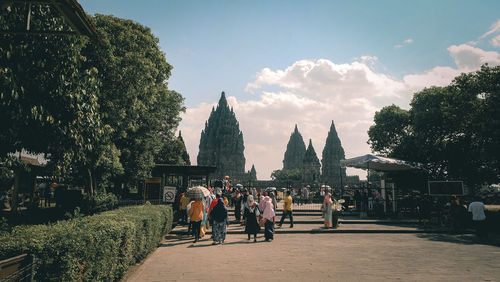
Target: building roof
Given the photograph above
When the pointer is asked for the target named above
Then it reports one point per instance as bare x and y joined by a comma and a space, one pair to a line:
161, 169
72, 13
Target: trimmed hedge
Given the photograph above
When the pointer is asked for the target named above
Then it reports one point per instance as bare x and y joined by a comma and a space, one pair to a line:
99, 203
93, 248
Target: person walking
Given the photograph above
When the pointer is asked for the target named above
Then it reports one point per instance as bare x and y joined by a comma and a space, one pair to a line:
268, 218
237, 206
287, 209
219, 215
196, 216
327, 210
272, 195
477, 208
251, 214
184, 201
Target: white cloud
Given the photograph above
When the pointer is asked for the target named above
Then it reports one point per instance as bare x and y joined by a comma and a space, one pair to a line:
495, 41
493, 29
409, 41
398, 46
312, 94
470, 58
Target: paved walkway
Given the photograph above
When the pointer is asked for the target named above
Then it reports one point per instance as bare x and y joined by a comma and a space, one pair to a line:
324, 257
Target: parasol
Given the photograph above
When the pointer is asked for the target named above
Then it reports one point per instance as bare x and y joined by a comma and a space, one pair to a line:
197, 192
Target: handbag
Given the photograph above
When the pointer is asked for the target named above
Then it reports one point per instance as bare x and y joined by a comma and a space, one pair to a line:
262, 222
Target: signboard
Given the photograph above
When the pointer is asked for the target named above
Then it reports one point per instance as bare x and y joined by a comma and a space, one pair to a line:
152, 189
447, 188
169, 193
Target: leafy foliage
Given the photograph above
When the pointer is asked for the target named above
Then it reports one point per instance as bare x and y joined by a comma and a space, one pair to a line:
101, 112
286, 175
455, 130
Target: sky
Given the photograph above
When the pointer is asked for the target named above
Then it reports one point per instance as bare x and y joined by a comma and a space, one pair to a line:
283, 63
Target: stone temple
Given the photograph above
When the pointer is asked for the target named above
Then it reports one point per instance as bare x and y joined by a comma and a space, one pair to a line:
221, 142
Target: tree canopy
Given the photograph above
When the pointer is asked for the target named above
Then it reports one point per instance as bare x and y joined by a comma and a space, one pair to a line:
102, 112
454, 130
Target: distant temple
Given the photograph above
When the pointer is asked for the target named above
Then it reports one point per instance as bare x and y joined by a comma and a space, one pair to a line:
310, 165
295, 151
332, 154
221, 143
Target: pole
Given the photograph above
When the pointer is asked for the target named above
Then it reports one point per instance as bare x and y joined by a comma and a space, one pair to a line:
341, 184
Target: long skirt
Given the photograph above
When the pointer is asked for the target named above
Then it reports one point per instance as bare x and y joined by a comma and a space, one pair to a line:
251, 224
219, 231
269, 230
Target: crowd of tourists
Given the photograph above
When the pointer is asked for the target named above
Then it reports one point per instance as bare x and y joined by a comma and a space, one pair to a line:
255, 211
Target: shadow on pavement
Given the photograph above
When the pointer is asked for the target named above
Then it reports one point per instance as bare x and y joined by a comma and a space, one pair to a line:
246, 242
465, 239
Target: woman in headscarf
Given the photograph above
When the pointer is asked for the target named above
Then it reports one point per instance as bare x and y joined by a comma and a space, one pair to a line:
251, 214
273, 199
244, 205
219, 215
327, 210
268, 217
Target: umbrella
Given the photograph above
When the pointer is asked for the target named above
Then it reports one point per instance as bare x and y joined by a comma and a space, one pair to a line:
370, 161
269, 189
197, 192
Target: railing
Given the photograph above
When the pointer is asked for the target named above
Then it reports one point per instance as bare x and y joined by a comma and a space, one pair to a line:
19, 268
128, 202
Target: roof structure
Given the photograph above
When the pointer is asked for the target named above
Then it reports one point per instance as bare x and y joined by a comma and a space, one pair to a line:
72, 13
192, 170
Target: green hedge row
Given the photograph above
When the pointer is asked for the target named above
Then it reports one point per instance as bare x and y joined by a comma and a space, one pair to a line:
93, 248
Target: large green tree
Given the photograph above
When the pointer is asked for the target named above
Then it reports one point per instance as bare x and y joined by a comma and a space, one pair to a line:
135, 100
48, 93
454, 130
100, 111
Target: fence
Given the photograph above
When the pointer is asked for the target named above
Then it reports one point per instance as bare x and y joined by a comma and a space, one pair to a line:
19, 268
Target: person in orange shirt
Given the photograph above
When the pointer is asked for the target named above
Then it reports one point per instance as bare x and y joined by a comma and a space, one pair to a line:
196, 215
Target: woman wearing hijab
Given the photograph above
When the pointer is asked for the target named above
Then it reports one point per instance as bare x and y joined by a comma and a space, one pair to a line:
196, 215
219, 215
251, 214
273, 199
268, 217
327, 210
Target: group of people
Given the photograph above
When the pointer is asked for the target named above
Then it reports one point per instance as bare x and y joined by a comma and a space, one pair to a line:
212, 211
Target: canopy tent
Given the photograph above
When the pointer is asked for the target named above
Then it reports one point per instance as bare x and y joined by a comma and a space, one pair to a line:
378, 163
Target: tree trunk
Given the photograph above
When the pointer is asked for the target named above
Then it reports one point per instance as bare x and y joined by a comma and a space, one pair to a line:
91, 187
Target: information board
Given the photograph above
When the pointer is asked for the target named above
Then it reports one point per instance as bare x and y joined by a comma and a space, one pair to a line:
169, 193
152, 189
442, 188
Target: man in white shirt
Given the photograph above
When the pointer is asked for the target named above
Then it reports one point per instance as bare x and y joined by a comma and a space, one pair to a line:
478, 217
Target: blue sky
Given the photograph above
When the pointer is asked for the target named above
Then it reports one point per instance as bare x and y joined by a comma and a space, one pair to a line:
219, 46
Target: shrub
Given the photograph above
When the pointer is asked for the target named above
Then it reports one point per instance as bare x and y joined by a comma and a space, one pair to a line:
99, 203
99, 247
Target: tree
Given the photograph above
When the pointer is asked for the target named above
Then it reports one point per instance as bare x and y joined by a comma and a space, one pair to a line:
284, 175
101, 112
134, 97
452, 129
48, 100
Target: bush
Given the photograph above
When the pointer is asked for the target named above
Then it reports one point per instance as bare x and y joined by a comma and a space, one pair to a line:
94, 248
99, 203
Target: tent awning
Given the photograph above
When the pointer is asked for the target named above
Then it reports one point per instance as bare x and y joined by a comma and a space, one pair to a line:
378, 163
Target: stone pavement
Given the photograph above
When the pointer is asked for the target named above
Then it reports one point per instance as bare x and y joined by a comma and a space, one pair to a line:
324, 257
